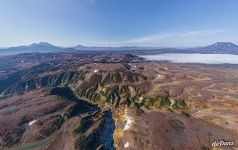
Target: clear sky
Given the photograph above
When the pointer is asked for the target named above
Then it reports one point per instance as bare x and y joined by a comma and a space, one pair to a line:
163, 23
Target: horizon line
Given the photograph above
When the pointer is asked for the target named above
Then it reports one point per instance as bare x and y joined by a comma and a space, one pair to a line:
129, 46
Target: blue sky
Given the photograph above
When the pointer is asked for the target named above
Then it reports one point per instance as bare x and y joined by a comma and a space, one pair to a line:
162, 23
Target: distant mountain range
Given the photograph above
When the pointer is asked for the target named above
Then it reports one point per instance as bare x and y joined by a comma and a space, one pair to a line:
219, 47
80, 47
43, 47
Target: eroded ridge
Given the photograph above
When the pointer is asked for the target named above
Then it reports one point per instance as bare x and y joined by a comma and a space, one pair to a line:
115, 101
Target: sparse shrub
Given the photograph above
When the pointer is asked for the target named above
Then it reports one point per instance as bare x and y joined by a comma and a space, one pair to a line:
138, 109
165, 102
147, 103
157, 104
179, 104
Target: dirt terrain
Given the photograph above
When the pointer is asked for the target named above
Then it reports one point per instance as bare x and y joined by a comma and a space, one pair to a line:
115, 101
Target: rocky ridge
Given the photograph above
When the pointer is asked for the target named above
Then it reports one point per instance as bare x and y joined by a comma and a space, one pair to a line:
84, 101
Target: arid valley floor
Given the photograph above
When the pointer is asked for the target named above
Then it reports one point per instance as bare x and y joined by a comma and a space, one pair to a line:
115, 100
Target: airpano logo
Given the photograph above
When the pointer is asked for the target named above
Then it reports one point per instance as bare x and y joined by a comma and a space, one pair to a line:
222, 143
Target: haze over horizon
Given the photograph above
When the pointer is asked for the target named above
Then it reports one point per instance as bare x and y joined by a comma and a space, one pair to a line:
154, 23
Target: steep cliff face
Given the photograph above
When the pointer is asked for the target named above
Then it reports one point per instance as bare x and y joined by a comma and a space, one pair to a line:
95, 130
119, 86
45, 80
111, 87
